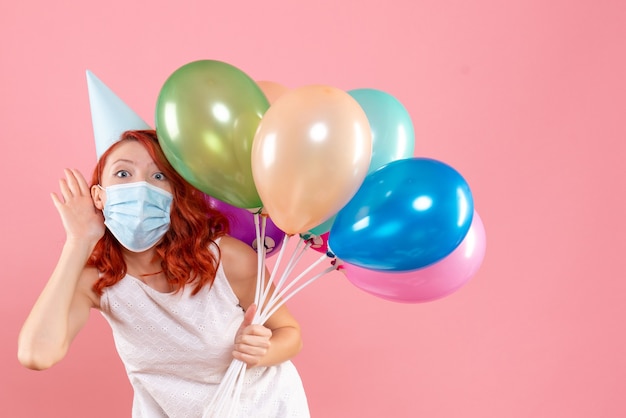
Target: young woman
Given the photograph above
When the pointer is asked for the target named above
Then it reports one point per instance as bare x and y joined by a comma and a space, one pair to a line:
143, 247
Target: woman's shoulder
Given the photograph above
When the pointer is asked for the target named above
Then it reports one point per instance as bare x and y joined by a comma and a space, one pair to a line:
240, 264
239, 260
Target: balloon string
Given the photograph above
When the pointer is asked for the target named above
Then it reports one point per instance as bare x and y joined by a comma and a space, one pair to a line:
234, 403
281, 302
260, 248
226, 400
226, 391
293, 261
259, 256
276, 265
302, 274
290, 263
266, 285
278, 295
231, 385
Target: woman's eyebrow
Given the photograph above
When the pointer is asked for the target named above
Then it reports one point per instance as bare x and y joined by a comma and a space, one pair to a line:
115, 163
122, 160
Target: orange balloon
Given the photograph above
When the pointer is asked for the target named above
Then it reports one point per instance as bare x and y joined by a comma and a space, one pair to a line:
272, 89
310, 154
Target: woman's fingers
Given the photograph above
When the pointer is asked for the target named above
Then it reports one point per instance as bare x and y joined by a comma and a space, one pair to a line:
66, 191
81, 182
55, 199
251, 350
254, 340
252, 333
72, 182
73, 185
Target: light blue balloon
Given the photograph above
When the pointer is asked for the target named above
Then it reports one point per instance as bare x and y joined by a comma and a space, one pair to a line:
393, 136
406, 215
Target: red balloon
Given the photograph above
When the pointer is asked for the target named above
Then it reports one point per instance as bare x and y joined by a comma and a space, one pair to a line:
319, 243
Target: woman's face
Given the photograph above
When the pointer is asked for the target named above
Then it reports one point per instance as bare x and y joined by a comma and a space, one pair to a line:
130, 162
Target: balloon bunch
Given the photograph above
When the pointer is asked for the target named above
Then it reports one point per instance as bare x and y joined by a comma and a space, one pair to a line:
333, 168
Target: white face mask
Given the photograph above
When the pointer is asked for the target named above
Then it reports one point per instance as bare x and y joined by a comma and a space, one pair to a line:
137, 214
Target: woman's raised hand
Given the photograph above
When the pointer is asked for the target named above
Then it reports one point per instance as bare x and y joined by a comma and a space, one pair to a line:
81, 220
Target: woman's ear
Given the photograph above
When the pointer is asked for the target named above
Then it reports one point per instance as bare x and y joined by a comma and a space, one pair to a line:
96, 196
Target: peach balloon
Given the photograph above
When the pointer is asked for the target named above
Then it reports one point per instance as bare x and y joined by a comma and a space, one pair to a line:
310, 154
272, 89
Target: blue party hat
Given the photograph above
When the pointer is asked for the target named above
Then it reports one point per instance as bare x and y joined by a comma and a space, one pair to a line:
110, 116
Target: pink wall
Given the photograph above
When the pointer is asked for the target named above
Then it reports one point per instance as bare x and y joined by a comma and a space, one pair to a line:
526, 98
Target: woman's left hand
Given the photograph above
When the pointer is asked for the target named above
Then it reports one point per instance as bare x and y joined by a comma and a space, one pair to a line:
252, 341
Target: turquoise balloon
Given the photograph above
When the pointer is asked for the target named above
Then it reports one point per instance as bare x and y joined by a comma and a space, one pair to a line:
323, 227
406, 215
393, 136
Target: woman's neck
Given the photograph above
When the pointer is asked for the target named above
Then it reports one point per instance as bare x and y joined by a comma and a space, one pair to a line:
143, 263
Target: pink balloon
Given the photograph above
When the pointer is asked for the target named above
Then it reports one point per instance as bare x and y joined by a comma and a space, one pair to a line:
242, 226
429, 283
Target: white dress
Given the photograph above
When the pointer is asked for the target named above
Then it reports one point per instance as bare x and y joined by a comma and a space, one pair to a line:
177, 347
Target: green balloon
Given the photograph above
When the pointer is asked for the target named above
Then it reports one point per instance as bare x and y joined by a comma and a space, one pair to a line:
207, 113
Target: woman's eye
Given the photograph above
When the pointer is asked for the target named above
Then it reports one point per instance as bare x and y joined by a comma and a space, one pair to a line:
159, 176
122, 174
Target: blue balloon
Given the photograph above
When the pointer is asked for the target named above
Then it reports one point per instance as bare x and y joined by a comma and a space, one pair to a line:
393, 136
406, 215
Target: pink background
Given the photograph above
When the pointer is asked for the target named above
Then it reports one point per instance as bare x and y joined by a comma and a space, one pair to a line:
526, 98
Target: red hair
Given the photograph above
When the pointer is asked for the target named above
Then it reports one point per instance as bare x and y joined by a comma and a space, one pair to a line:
185, 250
